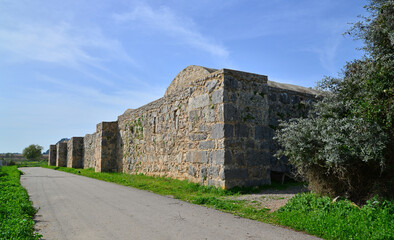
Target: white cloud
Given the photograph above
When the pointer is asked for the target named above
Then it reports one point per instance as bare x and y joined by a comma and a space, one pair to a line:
116, 98
61, 44
168, 22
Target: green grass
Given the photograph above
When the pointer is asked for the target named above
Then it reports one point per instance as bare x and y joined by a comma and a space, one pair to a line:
32, 163
16, 210
305, 212
339, 220
25, 162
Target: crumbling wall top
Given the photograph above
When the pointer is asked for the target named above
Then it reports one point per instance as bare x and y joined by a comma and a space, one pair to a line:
294, 88
187, 76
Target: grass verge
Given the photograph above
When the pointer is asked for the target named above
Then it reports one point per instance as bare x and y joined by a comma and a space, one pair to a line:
16, 210
315, 215
339, 220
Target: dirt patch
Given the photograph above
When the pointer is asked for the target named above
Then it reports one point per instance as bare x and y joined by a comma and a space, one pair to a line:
272, 199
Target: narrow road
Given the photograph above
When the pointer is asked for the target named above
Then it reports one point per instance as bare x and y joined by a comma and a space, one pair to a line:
76, 207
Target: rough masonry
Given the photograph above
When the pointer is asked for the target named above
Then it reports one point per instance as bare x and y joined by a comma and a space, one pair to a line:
212, 126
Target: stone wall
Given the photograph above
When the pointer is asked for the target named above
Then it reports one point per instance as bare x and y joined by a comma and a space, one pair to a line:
106, 149
178, 135
89, 151
75, 152
61, 154
214, 127
52, 155
246, 119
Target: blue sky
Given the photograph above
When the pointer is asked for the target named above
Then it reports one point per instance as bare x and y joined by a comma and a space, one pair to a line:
67, 65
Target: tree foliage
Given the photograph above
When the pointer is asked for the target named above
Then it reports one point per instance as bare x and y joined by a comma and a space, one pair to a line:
345, 146
32, 152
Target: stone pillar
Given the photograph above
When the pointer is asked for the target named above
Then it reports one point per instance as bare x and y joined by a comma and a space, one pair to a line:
61, 154
52, 155
75, 152
107, 133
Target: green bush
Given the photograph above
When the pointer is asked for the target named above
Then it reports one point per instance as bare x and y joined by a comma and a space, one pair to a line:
339, 220
346, 145
16, 211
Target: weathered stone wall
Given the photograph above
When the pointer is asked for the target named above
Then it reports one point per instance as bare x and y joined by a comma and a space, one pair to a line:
52, 155
212, 126
61, 154
89, 151
106, 140
75, 152
178, 135
246, 119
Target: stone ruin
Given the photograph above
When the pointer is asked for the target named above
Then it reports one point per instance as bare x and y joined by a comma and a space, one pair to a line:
214, 127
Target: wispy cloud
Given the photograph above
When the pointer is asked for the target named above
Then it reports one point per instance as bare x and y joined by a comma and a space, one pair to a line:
61, 44
168, 22
116, 97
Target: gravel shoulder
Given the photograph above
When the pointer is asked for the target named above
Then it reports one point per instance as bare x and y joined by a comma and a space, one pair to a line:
271, 199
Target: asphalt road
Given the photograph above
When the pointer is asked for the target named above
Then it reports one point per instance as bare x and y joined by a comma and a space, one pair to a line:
77, 207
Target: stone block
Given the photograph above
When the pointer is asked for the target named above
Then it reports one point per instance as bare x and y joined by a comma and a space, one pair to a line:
254, 158
222, 130
206, 145
208, 114
213, 171
230, 112
218, 157
230, 82
197, 137
198, 101
204, 128
218, 96
204, 157
241, 130
210, 85
193, 157
237, 173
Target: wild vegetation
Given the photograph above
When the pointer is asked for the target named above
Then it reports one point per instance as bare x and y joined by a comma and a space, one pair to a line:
16, 211
345, 145
342, 219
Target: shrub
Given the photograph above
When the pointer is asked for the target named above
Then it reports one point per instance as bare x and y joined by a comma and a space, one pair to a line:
346, 144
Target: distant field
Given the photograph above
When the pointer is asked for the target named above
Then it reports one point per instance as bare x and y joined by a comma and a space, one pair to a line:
18, 159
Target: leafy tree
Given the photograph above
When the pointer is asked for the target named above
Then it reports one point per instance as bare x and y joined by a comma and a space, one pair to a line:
32, 152
345, 145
